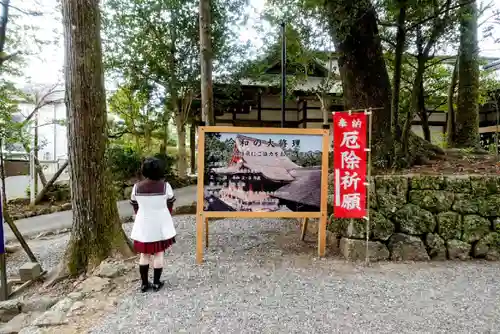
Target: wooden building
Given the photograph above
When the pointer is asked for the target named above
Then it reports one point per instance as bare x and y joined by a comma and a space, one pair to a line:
259, 103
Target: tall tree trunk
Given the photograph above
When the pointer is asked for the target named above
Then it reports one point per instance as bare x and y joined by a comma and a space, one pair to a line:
467, 116
181, 145
414, 104
325, 108
206, 58
451, 122
164, 145
96, 231
365, 81
423, 114
398, 60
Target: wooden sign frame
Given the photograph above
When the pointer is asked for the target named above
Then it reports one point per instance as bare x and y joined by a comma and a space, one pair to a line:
202, 216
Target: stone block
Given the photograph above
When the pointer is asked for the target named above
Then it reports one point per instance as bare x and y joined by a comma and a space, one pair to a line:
405, 247
355, 250
10, 283
20, 321
432, 200
29, 271
414, 220
449, 225
458, 250
9, 309
391, 193
437, 247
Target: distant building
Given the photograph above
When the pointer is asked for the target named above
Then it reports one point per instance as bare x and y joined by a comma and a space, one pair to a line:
52, 136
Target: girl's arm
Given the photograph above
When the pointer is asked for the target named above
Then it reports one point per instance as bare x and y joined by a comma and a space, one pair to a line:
133, 201
170, 197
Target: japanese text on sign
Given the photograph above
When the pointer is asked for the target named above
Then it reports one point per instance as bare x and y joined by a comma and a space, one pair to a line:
349, 156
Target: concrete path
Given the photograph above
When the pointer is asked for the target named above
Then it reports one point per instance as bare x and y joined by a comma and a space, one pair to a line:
61, 220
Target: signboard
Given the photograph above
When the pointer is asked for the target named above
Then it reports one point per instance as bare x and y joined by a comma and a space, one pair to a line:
349, 155
262, 172
253, 172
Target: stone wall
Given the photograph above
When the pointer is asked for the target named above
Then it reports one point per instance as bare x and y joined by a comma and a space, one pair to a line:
420, 218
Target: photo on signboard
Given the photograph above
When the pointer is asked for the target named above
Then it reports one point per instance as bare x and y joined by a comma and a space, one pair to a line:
262, 172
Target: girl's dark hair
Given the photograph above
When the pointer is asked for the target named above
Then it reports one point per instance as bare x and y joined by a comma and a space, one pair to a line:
153, 169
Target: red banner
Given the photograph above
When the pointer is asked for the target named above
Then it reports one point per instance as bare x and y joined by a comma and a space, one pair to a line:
349, 160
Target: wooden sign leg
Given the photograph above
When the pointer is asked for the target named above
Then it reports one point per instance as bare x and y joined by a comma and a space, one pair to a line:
322, 236
206, 232
305, 221
199, 238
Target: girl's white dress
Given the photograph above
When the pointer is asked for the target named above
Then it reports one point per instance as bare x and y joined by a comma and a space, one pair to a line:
153, 221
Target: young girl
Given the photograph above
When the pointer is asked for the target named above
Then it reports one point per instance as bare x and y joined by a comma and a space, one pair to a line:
153, 231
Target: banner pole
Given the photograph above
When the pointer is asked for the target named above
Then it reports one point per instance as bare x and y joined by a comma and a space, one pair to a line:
368, 182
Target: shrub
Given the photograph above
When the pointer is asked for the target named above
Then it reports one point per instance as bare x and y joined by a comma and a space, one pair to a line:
169, 161
124, 162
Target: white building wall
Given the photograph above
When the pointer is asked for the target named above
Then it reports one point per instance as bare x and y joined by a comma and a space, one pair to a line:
52, 136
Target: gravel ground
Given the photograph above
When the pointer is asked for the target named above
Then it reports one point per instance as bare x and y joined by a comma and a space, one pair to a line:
258, 278
48, 252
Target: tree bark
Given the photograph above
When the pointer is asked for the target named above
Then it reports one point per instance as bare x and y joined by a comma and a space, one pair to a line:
96, 231
206, 59
414, 104
424, 115
451, 121
467, 116
181, 145
398, 60
365, 81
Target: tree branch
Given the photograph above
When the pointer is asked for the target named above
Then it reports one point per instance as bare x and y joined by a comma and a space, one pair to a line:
437, 14
30, 12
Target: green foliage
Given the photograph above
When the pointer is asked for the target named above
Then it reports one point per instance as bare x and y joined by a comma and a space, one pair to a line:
124, 162
169, 162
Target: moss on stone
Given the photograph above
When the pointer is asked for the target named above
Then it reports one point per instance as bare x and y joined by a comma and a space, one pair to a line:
459, 184
488, 244
466, 203
483, 185
474, 228
353, 228
449, 225
412, 219
427, 182
391, 193
489, 206
436, 246
381, 227
432, 200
